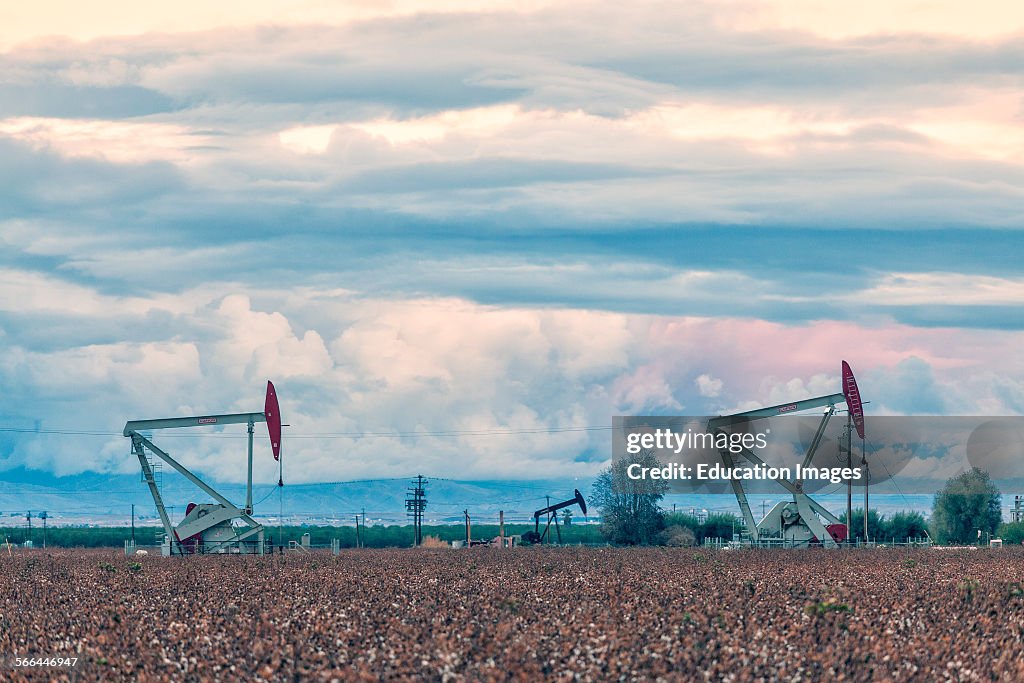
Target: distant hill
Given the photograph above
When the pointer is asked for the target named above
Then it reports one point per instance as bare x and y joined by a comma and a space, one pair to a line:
107, 499
92, 498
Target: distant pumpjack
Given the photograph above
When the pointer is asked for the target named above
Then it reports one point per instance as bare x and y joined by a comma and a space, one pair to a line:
551, 512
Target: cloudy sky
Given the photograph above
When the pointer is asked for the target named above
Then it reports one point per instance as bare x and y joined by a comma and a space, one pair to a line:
471, 232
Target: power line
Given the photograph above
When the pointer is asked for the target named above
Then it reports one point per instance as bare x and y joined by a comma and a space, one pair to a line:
452, 432
99, 488
358, 481
66, 432
891, 478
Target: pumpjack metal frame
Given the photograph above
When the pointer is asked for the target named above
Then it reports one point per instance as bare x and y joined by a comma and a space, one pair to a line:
809, 511
808, 508
226, 511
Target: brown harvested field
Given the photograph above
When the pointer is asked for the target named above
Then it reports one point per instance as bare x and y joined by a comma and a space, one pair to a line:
527, 614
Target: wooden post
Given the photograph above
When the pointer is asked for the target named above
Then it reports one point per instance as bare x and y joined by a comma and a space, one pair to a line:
501, 528
468, 536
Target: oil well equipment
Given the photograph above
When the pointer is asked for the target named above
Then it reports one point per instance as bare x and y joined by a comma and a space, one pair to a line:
800, 521
551, 513
207, 527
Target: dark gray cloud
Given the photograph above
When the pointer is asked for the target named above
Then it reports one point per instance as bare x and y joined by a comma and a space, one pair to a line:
768, 67
39, 183
49, 331
485, 173
63, 100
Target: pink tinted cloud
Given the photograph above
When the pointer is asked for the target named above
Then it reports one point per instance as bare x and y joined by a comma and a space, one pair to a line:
752, 356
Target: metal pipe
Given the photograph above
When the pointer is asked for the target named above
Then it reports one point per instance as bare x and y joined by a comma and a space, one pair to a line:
196, 421
140, 451
248, 487
772, 411
741, 497
817, 436
849, 482
867, 480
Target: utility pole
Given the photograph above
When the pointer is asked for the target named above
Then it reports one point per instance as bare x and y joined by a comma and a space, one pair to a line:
359, 542
42, 516
415, 504
133, 523
28, 518
501, 527
469, 538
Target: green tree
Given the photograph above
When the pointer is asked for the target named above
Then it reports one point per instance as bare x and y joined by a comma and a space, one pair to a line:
967, 504
904, 525
1012, 533
682, 519
717, 525
876, 525
630, 513
720, 525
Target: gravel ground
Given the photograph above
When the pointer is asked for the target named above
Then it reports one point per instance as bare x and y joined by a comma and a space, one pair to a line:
527, 614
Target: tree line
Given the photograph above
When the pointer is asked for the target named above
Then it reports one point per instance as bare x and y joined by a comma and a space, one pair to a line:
966, 511
373, 536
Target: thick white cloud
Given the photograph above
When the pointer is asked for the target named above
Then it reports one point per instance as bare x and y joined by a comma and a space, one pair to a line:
709, 386
452, 387
256, 344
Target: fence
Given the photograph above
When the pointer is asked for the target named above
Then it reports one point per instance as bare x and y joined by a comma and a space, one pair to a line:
721, 543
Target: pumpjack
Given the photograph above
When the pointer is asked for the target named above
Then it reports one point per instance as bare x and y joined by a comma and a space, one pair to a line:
801, 521
551, 512
207, 527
